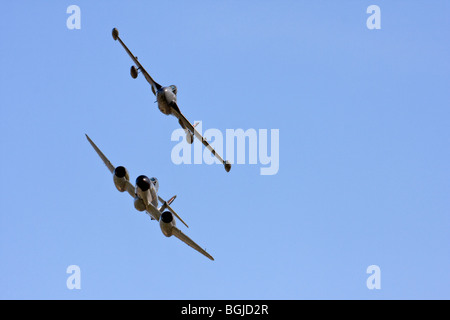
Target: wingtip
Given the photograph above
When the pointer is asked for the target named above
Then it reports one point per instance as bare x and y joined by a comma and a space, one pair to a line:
227, 166
206, 254
115, 33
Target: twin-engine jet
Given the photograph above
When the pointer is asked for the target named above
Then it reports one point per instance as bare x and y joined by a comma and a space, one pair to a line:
167, 102
145, 195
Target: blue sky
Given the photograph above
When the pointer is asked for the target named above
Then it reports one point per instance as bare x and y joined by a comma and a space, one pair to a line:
363, 117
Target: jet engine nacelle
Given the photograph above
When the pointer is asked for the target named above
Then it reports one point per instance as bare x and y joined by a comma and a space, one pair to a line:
134, 72
121, 177
167, 222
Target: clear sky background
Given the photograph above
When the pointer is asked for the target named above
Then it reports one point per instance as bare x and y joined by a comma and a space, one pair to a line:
364, 173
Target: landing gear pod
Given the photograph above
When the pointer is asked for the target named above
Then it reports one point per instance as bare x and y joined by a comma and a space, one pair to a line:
189, 138
134, 72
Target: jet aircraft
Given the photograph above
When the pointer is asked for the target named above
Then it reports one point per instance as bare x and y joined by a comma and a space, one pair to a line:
145, 195
167, 102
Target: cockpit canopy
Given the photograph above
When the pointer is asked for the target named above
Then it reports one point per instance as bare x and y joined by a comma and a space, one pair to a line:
155, 183
174, 89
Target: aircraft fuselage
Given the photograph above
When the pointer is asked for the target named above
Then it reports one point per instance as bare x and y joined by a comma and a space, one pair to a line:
145, 190
165, 96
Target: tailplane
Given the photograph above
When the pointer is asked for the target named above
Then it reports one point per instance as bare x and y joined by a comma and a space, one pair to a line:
166, 205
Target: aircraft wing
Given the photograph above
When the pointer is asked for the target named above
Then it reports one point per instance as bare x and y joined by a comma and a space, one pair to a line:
107, 163
129, 186
180, 235
155, 86
191, 128
156, 214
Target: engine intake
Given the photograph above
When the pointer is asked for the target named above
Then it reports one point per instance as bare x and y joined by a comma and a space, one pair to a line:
166, 222
167, 217
120, 172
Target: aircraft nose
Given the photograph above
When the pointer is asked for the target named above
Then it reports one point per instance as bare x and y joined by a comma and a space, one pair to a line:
143, 182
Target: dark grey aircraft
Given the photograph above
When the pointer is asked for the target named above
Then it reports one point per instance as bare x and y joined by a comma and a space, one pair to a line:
167, 102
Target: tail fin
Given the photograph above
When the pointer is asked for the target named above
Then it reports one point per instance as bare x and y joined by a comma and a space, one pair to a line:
171, 200
166, 205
